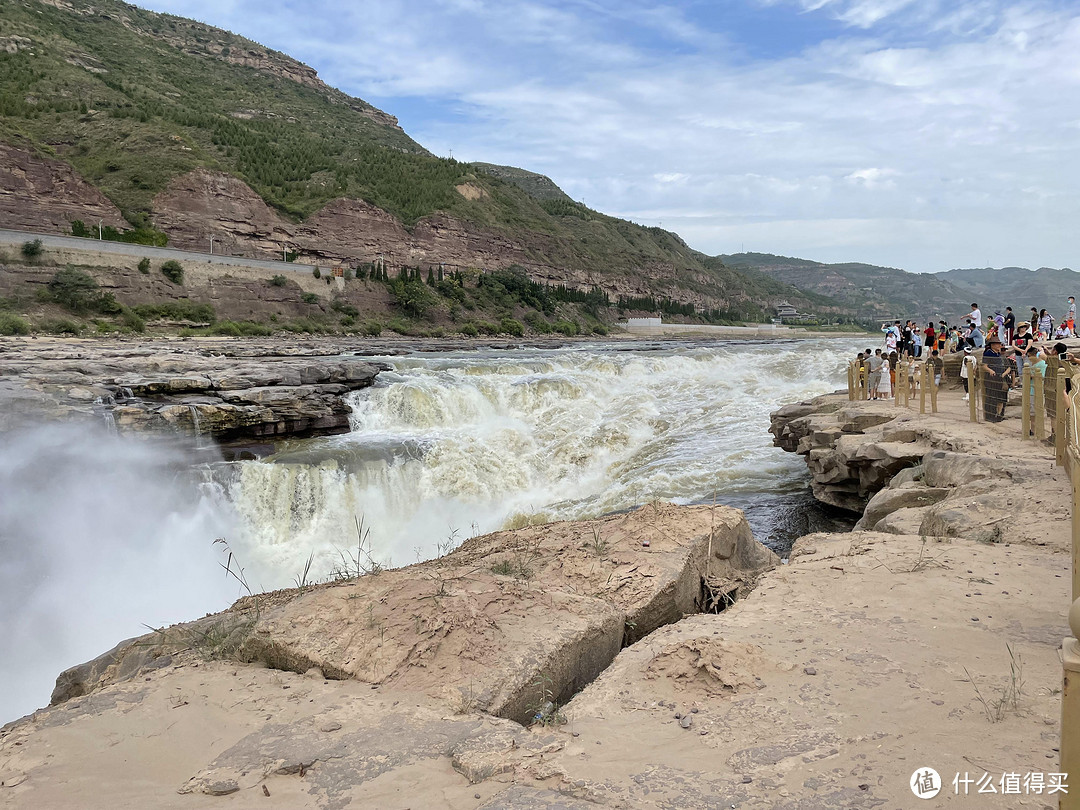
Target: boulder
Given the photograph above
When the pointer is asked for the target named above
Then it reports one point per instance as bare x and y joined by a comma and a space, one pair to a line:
513, 618
890, 499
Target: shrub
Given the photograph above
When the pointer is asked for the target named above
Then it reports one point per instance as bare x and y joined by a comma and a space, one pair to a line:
308, 326
469, 330
487, 328
177, 310
344, 307
371, 328
11, 324
278, 281
414, 297
568, 328
241, 329
317, 273
60, 327
32, 249
131, 321
309, 298
511, 326
144, 265
402, 327
77, 291
106, 328
172, 270
600, 329
538, 323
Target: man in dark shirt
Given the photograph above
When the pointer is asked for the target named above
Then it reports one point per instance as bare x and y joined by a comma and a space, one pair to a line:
1010, 325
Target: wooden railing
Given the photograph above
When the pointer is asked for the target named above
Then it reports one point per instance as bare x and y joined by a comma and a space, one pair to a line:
1067, 449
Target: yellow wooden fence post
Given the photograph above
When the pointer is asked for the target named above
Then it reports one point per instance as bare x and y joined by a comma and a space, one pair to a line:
973, 392
1059, 419
933, 389
1070, 648
1025, 403
922, 388
1040, 407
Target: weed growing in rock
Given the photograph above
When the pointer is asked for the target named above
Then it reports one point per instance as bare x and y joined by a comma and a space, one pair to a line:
546, 712
1008, 699
358, 564
598, 545
301, 579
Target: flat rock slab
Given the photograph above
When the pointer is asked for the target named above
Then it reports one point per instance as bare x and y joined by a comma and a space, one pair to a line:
227, 390
503, 625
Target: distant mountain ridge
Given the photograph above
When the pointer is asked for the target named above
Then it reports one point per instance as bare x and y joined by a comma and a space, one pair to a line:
884, 292
1018, 287
872, 292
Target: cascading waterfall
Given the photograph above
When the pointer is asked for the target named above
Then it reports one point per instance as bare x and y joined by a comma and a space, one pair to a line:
459, 443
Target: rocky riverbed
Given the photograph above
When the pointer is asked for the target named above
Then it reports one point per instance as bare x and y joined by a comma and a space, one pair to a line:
493, 677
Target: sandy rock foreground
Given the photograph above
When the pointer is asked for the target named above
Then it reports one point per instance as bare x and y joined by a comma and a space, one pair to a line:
872, 654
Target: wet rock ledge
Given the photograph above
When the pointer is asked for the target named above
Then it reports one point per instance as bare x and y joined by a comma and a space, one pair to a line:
235, 392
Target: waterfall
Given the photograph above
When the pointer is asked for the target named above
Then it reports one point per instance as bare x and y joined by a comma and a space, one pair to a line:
476, 441
196, 429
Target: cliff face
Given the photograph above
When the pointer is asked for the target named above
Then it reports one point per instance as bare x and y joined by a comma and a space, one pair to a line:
43, 194
202, 203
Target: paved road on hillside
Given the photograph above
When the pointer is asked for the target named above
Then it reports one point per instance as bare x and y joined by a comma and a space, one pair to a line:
8, 237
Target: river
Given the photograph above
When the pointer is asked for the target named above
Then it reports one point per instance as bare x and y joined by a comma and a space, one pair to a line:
103, 535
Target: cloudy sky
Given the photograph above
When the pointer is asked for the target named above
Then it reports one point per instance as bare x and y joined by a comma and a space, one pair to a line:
923, 134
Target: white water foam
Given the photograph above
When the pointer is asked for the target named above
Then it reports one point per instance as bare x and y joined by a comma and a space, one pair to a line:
101, 537
472, 442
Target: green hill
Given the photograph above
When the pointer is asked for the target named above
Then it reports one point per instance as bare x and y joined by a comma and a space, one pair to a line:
132, 99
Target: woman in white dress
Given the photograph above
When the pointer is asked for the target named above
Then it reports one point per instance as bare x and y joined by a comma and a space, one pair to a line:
884, 388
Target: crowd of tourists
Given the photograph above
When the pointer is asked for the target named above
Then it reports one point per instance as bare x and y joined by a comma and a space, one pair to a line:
1007, 345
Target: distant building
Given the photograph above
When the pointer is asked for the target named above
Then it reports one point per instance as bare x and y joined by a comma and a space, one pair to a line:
786, 310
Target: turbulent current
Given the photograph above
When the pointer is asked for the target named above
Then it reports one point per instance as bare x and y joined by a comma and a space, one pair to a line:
450, 445
103, 535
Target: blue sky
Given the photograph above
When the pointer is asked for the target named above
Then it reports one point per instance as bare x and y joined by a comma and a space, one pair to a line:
921, 134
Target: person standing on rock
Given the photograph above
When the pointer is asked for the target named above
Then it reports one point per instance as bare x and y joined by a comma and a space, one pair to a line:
967, 369
938, 365
995, 383
1022, 341
891, 336
1046, 326
884, 386
1010, 326
976, 315
873, 362
1070, 318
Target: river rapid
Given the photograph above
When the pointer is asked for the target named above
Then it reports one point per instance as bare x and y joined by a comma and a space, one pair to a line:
102, 535
449, 445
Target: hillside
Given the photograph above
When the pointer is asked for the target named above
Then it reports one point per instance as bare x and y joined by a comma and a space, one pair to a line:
1018, 287
872, 291
185, 133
